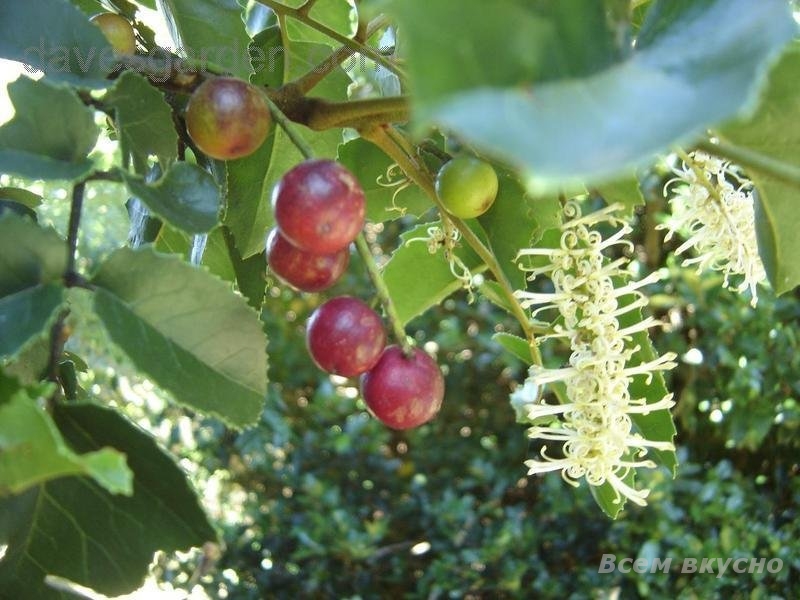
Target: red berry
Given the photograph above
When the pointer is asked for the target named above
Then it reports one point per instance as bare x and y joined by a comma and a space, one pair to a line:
403, 392
227, 118
345, 336
319, 206
305, 271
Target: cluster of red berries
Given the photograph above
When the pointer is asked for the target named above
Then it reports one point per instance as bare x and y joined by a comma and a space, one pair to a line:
319, 210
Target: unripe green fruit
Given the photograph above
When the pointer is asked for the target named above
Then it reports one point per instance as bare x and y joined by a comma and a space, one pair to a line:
118, 32
467, 186
228, 118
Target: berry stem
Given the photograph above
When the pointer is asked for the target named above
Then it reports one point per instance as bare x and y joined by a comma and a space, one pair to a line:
397, 147
382, 291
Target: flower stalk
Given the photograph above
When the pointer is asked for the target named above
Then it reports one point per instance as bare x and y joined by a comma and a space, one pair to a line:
594, 426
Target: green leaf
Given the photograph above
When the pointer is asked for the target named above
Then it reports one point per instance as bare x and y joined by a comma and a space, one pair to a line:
50, 135
89, 7
657, 425
335, 14
774, 132
514, 221
55, 37
187, 331
624, 191
72, 528
210, 31
32, 451
567, 119
32, 262
515, 345
370, 166
606, 496
250, 179
27, 313
144, 121
186, 196
23, 198
417, 279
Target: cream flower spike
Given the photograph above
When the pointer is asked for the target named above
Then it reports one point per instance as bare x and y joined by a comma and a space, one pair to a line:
594, 429
717, 219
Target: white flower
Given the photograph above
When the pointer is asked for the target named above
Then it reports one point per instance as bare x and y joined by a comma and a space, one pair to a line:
717, 218
594, 427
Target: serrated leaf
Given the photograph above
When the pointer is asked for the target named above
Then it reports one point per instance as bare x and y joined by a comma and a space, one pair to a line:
57, 38
514, 344
144, 121
32, 262
187, 331
250, 179
384, 202
72, 528
50, 135
417, 279
32, 452
186, 196
222, 259
513, 223
774, 132
211, 31
515, 89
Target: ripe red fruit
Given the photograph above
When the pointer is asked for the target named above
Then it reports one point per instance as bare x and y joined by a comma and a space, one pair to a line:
305, 271
319, 206
403, 392
227, 118
118, 31
345, 336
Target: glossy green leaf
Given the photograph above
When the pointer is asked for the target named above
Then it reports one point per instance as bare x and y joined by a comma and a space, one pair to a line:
774, 132
26, 314
32, 263
251, 179
50, 135
144, 121
566, 118
210, 31
55, 37
186, 196
417, 279
72, 528
371, 167
187, 331
514, 222
32, 452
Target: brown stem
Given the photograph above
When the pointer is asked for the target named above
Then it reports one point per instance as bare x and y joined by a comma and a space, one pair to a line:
307, 82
